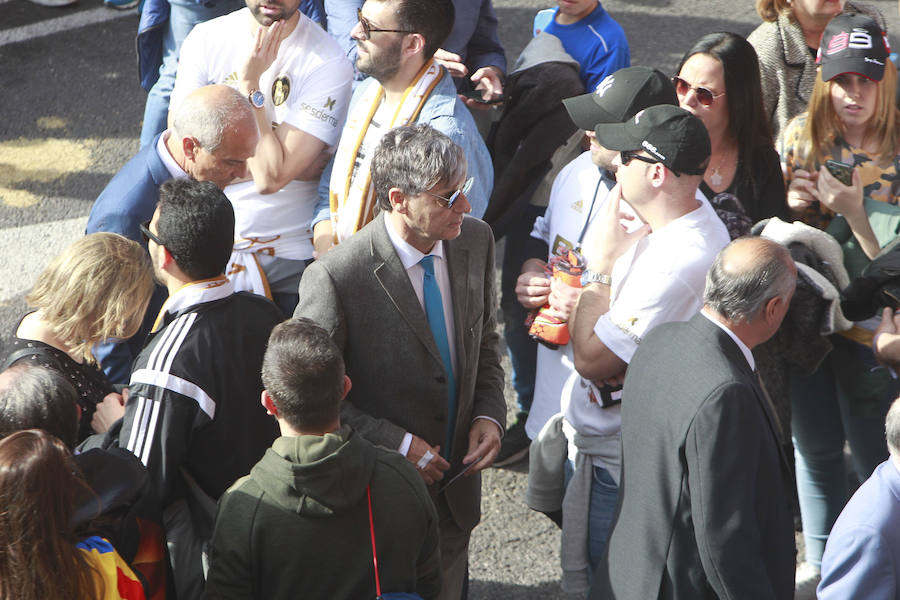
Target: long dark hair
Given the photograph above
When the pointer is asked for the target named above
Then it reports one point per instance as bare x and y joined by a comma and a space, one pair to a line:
39, 484
748, 123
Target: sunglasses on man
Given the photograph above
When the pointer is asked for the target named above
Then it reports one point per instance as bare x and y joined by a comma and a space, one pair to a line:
367, 28
449, 202
148, 235
626, 156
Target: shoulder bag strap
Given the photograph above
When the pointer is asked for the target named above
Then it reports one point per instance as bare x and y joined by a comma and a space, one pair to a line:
372, 532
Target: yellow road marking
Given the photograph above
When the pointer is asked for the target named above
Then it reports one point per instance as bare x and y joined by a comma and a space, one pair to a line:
51, 122
39, 160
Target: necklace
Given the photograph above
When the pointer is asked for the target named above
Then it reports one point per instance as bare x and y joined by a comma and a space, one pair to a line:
716, 178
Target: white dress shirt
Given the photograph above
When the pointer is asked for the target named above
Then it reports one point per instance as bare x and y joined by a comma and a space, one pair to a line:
162, 150
410, 258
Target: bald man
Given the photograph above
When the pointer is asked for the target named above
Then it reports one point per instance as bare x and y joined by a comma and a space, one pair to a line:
213, 134
705, 505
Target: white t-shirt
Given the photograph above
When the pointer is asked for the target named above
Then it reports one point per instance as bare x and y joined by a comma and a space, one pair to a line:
561, 225
659, 280
307, 86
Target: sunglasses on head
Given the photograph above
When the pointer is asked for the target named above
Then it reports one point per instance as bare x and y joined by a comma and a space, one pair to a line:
704, 96
368, 29
449, 202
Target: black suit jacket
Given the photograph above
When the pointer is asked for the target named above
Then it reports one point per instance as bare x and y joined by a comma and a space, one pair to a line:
360, 293
705, 504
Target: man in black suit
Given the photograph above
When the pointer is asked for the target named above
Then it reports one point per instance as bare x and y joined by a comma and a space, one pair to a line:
705, 507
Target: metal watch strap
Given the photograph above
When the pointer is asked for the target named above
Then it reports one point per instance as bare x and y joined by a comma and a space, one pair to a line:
588, 277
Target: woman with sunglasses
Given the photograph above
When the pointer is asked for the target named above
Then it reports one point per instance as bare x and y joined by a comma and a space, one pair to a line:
786, 43
96, 289
718, 81
852, 119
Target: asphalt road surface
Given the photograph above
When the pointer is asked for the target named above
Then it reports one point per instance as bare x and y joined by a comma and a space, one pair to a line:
70, 114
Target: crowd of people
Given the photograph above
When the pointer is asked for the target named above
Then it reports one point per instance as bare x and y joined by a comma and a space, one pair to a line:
272, 366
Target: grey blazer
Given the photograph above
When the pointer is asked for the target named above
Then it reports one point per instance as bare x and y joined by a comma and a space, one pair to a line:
360, 293
705, 504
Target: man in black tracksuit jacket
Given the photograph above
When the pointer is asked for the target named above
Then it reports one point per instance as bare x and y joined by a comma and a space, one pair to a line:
193, 415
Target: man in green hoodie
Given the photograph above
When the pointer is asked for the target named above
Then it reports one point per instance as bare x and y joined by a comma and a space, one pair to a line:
299, 524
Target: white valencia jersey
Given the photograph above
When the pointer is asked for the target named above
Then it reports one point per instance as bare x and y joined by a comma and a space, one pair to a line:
307, 87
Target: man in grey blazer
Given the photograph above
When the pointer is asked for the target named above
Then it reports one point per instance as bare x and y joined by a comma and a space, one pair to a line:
705, 508
435, 395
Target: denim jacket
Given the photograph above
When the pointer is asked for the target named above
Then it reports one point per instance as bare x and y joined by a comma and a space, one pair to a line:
447, 114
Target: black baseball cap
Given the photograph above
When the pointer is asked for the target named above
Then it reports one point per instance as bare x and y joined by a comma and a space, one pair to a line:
853, 43
670, 134
620, 95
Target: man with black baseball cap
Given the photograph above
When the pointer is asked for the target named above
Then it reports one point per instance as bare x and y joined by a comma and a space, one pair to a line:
578, 193
577, 198
650, 271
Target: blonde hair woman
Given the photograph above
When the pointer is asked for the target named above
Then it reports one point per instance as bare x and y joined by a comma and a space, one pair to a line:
852, 119
96, 289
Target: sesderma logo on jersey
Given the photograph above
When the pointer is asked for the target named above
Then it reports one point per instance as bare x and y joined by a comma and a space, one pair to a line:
318, 113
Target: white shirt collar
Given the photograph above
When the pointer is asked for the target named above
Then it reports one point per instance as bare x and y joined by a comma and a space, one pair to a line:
748, 354
409, 255
163, 151
191, 294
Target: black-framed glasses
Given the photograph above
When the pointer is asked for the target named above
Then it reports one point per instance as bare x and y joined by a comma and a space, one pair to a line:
449, 202
149, 235
368, 29
626, 156
704, 95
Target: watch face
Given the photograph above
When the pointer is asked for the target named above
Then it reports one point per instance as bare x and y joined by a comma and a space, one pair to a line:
257, 99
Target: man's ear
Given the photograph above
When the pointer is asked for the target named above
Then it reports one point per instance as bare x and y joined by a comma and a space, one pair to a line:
266, 400
397, 199
774, 308
658, 174
190, 147
414, 43
167, 259
347, 385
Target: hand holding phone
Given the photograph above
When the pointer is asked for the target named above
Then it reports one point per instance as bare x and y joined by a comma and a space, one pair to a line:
841, 171
475, 96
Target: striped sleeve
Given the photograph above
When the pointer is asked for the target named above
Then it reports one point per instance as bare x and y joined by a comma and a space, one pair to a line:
163, 409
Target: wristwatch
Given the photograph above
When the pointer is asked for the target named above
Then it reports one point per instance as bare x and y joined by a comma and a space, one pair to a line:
588, 277
256, 98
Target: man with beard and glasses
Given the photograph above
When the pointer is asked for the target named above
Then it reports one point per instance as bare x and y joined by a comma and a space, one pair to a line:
396, 41
298, 81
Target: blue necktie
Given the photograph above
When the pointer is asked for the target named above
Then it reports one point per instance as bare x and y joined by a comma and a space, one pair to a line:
434, 310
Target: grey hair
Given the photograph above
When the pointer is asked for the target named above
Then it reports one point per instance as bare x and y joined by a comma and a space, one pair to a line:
739, 293
892, 428
207, 121
414, 158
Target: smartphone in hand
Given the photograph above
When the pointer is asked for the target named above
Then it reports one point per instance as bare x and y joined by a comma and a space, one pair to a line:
841, 171
473, 94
